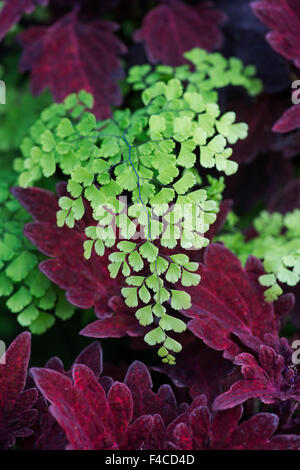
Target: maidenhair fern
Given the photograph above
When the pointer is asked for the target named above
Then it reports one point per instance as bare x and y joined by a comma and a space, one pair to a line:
277, 244
29, 293
140, 171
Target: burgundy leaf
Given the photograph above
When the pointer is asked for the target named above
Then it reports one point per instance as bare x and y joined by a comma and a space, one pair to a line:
173, 28
16, 413
92, 357
113, 327
193, 370
12, 11
272, 379
286, 199
228, 306
260, 116
146, 402
202, 429
283, 18
289, 121
91, 420
70, 56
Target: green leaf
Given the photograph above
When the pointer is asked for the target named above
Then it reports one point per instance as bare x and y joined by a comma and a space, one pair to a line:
180, 300
157, 124
6, 286
99, 247
186, 157
78, 209
126, 246
64, 310
182, 128
155, 336
190, 279
48, 300
86, 98
149, 251
20, 267
180, 259
28, 315
173, 273
88, 247
144, 315
267, 280
172, 345
144, 294
159, 266
87, 124
81, 175
273, 293
65, 128
48, 141
160, 202
287, 276
135, 280
167, 175
75, 189
117, 257
127, 179
162, 352
61, 217
114, 269
130, 295
185, 183
65, 203
168, 323
125, 269
38, 283
43, 322
173, 89
158, 309
19, 300
71, 101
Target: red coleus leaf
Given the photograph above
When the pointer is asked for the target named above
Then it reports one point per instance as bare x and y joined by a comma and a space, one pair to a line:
271, 379
289, 121
87, 282
193, 370
228, 306
260, 116
283, 18
201, 429
16, 412
92, 420
287, 198
71, 55
138, 380
12, 11
173, 28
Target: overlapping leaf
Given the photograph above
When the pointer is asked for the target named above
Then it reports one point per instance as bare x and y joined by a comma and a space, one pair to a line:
17, 414
11, 12
201, 429
70, 56
283, 18
271, 379
228, 306
187, 26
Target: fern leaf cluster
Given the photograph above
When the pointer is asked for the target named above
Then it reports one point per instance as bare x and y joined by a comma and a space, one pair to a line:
141, 173
277, 244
